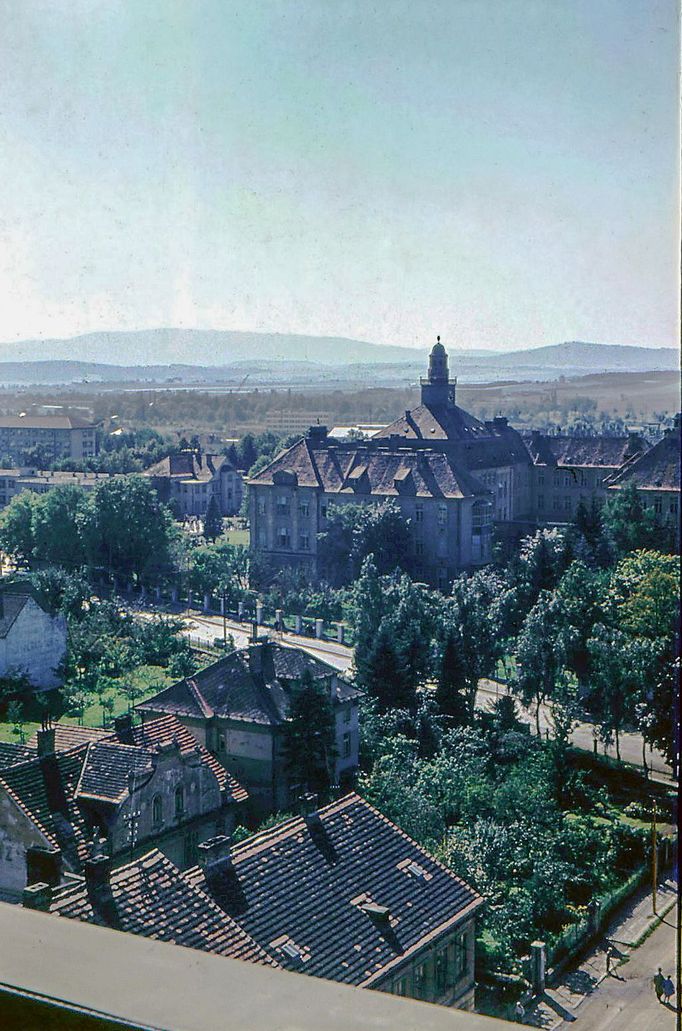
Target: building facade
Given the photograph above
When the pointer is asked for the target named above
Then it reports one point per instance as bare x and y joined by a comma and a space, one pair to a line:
238, 708
32, 641
58, 436
40, 481
187, 481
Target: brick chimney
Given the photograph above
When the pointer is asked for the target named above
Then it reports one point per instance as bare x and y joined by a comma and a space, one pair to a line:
307, 804
214, 849
123, 726
46, 742
37, 896
97, 870
43, 865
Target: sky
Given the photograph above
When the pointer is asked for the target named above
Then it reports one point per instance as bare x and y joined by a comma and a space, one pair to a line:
502, 172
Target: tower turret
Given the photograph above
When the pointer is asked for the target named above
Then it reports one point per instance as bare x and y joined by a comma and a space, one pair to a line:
436, 388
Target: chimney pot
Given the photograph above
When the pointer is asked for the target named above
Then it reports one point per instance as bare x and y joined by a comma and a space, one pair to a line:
97, 870
123, 726
37, 896
307, 804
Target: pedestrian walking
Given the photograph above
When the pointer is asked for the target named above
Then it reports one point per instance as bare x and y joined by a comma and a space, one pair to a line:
519, 1013
609, 960
658, 984
668, 989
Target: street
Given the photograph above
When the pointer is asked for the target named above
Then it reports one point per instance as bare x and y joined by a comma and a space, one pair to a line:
630, 1004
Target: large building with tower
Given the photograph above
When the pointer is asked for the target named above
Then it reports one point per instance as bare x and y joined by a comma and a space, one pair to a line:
451, 475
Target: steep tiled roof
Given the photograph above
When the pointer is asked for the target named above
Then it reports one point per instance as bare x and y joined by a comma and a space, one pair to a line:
11, 754
656, 469
187, 465
161, 731
436, 422
249, 684
384, 471
107, 770
149, 897
601, 451
150, 735
304, 885
45, 789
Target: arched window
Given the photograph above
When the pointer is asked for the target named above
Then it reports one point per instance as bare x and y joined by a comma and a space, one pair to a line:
179, 800
157, 809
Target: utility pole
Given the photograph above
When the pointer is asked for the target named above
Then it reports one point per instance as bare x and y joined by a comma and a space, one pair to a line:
654, 856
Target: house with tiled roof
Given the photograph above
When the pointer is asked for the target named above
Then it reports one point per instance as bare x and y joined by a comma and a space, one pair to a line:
340, 893
655, 474
238, 707
343, 893
188, 480
32, 640
149, 897
132, 789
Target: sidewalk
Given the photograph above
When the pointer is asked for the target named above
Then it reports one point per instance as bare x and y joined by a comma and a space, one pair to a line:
623, 935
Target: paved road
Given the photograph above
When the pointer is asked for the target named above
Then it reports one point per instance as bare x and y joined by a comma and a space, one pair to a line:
630, 1004
205, 628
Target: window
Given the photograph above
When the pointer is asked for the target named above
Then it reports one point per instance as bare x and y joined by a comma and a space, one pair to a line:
419, 513
304, 541
568, 480
541, 479
482, 515
347, 713
282, 504
323, 511
179, 801
556, 504
304, 509
419, 547
261, 506
442, 515
557, 480
658, 506
567, 504
541, 502
460, 964
345, 752
400, 986
283, 537
441, 970
221, 743
673, 508
420, 980
157, 810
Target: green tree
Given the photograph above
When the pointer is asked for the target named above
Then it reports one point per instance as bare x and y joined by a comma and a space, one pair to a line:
16, 716
213, 521
17, 531
127, 529
630, 527
356, 531
452, 681
382, 674
309, 737
57, 521
540, 656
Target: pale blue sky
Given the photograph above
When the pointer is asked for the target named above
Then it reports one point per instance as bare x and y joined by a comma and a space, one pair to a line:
503, 172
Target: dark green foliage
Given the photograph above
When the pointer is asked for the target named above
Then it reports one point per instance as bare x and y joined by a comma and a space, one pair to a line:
213, 522
383, 674
309, 736
356, 531
451, 687
628, 526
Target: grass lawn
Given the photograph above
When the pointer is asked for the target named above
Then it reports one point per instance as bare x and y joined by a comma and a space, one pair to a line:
145, 680
236, 537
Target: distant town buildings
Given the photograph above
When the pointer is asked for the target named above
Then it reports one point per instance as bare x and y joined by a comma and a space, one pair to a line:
238, 708
288, 422
188, 480
57, 436
451, 475
32, 641
40, 481
339, 893
129, 790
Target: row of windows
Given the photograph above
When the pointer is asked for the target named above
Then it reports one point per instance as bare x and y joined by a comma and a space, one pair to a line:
445, 974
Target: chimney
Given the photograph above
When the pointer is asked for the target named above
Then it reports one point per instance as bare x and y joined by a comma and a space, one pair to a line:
43, 865
256, 655
123, 726
46, 742
37, 896
214, 849
97, 870
307, 805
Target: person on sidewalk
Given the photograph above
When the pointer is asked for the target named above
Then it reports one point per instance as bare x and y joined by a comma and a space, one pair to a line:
658, 984
519, 1013
668, 989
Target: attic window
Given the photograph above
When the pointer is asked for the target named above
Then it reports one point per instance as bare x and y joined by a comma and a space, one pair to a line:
292, 952
418, 872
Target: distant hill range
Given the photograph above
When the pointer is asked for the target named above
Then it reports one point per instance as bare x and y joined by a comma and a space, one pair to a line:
176, 357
